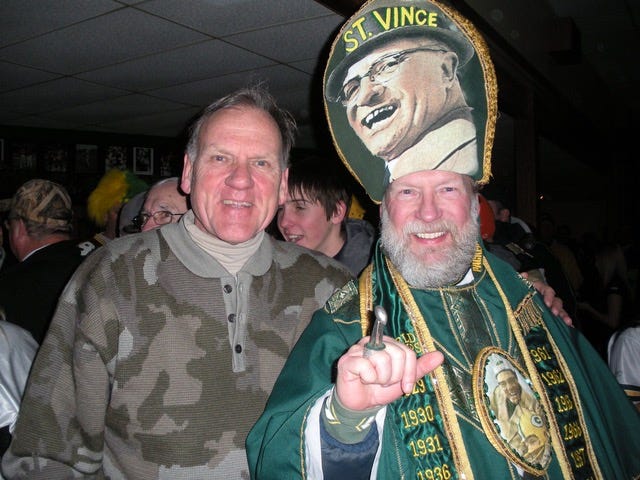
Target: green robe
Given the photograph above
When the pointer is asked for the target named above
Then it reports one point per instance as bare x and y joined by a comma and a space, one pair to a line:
573, 420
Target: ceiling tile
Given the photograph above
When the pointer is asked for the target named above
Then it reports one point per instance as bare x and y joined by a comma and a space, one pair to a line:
301, 40
116, 37
116, 109
309, 66
14, 76
187, 64
56, 94
164, 124
45, 16
277, 77
224, 17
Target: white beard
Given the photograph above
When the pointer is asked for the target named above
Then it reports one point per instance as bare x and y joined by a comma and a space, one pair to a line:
455, 260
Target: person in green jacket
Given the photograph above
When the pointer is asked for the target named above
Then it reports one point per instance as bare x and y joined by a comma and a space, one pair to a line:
440, 362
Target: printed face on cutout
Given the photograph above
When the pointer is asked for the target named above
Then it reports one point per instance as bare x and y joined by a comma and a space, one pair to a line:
402, 91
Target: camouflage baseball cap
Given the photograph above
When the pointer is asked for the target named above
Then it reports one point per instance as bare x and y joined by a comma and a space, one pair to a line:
409, 86
43, 202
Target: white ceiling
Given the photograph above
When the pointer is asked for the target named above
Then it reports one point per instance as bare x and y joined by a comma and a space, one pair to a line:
146, 67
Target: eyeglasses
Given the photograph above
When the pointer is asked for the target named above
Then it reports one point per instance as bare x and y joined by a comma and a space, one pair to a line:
381, 70
161, 217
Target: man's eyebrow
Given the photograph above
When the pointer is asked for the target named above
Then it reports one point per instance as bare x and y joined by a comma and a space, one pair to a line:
215, 148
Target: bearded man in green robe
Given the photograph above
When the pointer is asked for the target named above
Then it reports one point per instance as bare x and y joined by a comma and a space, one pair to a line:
418, 390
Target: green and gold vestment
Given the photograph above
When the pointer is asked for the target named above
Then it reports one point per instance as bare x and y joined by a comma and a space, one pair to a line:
571, 419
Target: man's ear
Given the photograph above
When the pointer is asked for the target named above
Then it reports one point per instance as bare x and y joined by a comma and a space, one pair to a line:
20, 227
185, 181
284, 187
339, 213
449, 66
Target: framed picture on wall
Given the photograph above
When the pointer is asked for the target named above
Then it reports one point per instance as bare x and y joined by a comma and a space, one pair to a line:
168, 164
115, 157
56, 158
24, 156
86, 158
143, 160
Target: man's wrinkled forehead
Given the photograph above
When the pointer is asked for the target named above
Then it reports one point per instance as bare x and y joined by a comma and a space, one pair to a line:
160, 192
225, 120
432, 177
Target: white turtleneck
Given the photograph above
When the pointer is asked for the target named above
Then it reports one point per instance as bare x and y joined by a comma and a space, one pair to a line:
230, 256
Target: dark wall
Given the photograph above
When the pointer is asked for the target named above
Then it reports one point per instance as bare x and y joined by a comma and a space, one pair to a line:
78, 159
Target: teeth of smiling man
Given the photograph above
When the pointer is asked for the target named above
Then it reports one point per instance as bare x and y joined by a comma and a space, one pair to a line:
236, 204
429, 236
294, 238
370, 119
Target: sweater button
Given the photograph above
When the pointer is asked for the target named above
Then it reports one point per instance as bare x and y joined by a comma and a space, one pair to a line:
238, 348
227, 288
231, 317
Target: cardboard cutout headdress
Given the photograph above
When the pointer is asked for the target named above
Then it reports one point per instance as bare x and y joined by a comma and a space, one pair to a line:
409, 86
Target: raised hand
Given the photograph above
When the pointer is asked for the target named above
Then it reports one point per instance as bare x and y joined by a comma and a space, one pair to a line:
379, 379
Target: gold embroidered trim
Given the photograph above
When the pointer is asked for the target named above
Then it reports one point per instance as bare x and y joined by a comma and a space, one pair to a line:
528, 313
476, 263
556, 441
490, 82
574, 392
443, 395
366, 301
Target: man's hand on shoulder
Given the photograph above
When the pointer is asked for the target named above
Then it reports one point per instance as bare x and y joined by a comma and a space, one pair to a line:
550, 299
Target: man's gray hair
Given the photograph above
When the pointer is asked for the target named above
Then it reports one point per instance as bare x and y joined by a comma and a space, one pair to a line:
256, 97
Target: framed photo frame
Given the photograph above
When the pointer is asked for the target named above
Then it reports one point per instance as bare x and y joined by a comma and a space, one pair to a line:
143, 160
167, 163
115, 157
56, 158
24, 156
86, 158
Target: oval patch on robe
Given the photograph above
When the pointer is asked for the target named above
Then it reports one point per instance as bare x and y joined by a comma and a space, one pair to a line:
510, 411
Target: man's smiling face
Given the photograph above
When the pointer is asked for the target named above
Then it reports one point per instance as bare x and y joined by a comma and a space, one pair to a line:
391, 115
236, 182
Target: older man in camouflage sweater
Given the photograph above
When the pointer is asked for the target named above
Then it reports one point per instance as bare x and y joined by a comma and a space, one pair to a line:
165, 345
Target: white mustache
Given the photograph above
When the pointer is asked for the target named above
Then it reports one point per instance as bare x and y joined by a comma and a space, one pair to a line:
429, 230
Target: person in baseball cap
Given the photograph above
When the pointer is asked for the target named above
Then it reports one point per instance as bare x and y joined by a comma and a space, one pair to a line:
40, 229
44, 206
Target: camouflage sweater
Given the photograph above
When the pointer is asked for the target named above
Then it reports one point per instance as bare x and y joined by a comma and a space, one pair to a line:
158, 361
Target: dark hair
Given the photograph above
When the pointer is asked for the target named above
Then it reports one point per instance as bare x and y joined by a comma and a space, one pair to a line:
256, 97
318, 178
